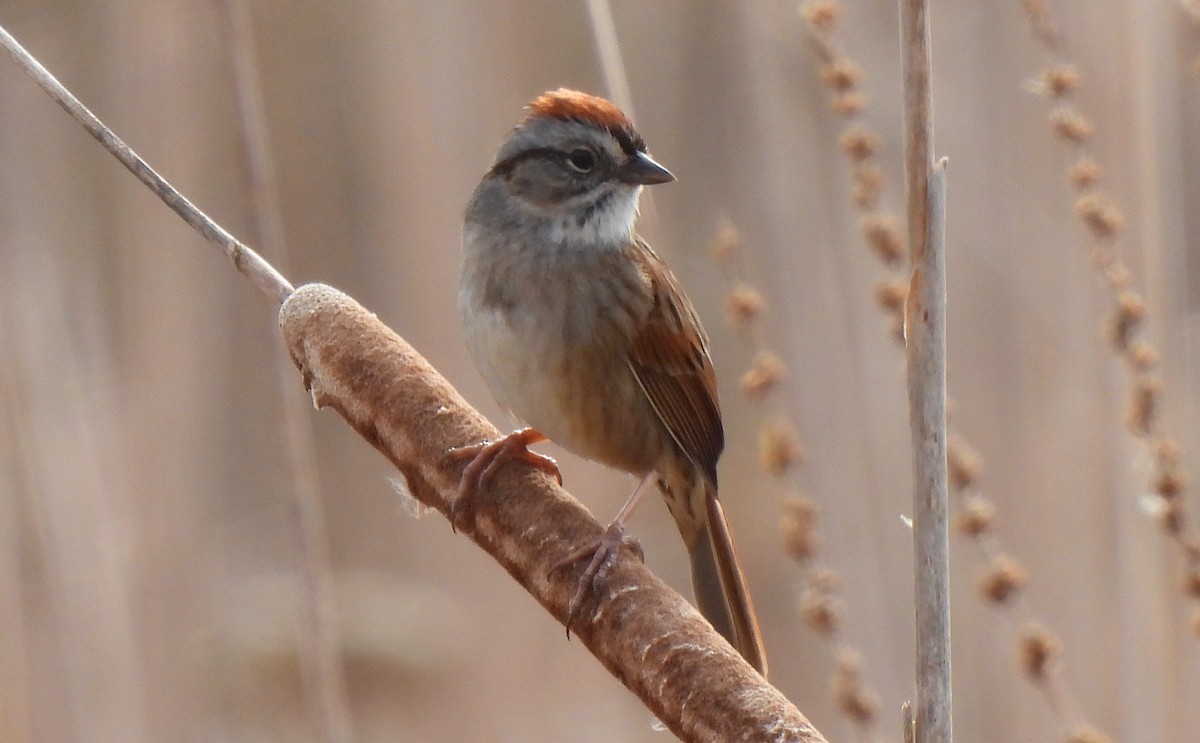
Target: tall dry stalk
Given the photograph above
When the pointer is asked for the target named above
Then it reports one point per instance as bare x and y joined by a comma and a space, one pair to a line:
925, 343
1002, 578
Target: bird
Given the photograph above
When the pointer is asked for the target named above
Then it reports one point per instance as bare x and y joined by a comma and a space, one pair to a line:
582, 332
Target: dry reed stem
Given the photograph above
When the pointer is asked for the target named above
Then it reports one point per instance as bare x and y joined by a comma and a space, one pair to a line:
604, 30
781, 454
974, 513
616, 80
320, 646
261, 273
1127, 334
925, 335
647, 635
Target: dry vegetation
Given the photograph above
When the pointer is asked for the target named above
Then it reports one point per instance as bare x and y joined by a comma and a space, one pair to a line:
158, 576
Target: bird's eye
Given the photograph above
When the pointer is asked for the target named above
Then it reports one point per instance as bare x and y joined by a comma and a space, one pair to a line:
582, 159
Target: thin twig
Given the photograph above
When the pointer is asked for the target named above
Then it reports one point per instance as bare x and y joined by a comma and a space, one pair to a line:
262, 274
604, 29
616, 80
322, 669
925, 332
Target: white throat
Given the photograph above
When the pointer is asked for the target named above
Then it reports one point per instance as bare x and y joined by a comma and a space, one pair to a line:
611, 224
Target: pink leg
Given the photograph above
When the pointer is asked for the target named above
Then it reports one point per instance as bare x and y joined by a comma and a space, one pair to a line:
486, 459
604, 551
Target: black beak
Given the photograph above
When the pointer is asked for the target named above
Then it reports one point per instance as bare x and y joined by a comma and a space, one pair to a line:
641, 170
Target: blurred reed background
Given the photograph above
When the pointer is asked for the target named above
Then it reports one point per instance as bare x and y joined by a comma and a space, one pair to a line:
150, 551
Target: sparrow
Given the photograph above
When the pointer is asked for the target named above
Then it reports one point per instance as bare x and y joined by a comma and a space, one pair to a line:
581, 331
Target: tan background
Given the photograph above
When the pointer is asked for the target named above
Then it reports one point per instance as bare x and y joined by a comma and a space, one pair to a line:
148, 544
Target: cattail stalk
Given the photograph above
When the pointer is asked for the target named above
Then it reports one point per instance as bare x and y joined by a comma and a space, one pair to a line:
1002, 578
925, 334
644, 633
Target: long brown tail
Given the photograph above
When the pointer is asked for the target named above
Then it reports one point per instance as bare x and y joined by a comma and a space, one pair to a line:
720, 587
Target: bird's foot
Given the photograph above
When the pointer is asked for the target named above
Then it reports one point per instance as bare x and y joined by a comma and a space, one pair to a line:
603, 553
487, 457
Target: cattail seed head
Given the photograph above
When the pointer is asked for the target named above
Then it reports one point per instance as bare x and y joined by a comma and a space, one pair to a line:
850, 103
1043, 27
1143, 405
822, 611
882, 233
976, 516
1171, 517
822, 14
799, 527
1059, 80
1191, 581
1143, 356
764, 374
1128, 314
1070, 125
1103, 219
891, 294
1039, 652
779, 447
1084, 174
1002, 579
725, 244
866, 185
852, 697
859, 142
841, 74
1169, 483
743, 305
963, 464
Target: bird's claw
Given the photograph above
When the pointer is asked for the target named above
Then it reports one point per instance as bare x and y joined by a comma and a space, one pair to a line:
486, 457
603, 553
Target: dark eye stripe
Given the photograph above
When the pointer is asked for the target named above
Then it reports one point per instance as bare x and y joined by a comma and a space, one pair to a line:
506, 166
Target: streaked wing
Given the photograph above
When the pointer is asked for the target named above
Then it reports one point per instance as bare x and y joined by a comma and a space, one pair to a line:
669, 357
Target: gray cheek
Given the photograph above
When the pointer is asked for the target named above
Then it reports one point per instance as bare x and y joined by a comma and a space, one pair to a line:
548, 184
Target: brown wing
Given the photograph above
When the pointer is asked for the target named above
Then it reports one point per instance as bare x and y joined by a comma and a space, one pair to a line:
669, 357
